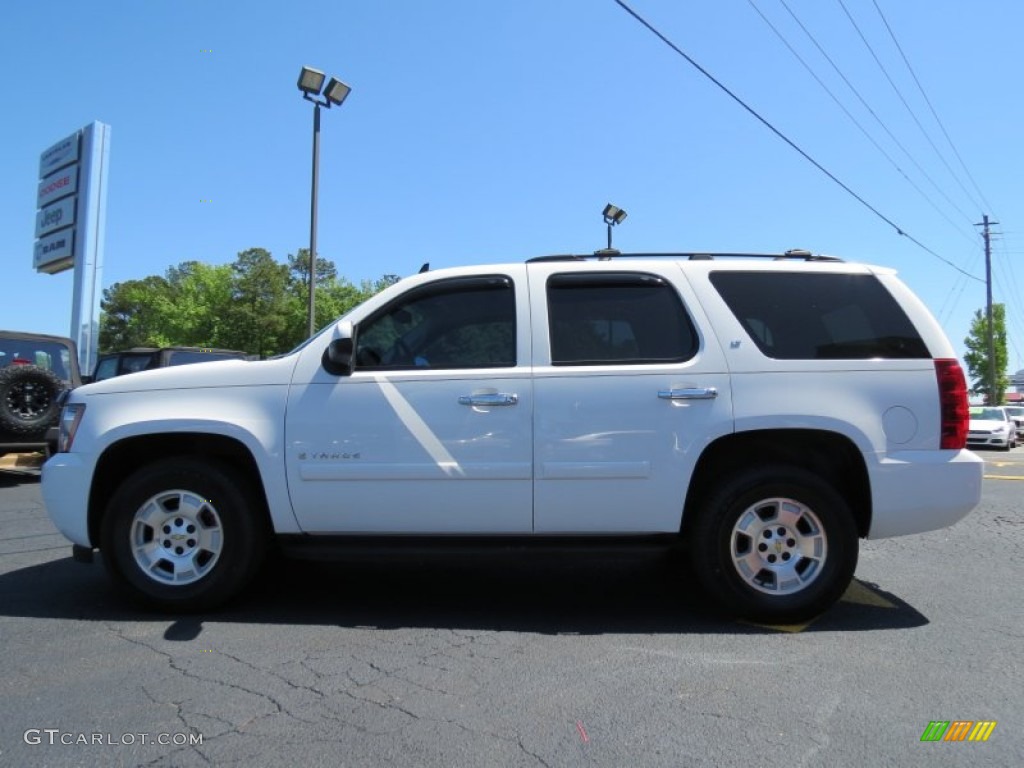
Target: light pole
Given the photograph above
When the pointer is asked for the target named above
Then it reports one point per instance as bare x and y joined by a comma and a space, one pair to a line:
311, 82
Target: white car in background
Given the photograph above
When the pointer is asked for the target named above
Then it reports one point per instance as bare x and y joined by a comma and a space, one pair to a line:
991, 427
1017, 415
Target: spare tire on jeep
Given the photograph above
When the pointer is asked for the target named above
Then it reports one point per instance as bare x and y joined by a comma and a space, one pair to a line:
28, 399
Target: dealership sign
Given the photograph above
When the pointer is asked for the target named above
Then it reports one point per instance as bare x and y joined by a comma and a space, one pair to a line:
64, 152
56, 250
55, 216
56, 203
57, 185
70, 219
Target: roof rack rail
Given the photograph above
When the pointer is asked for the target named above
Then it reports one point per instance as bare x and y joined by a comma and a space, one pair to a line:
556, 257
799, 255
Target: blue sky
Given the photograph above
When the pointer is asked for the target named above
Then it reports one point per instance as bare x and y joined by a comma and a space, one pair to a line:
484, 131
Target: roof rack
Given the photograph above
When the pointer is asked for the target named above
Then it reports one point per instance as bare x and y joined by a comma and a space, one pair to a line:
606, 255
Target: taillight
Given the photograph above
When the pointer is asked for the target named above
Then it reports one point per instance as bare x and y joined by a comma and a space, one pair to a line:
952, 403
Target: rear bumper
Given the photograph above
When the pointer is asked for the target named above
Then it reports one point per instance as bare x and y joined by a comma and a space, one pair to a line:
918, 491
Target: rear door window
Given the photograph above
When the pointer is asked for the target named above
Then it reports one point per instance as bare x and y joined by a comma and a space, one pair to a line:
611, 318
827, 316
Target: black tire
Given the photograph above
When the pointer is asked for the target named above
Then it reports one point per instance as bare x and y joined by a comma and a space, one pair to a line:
805, 529
184, 534
28, 399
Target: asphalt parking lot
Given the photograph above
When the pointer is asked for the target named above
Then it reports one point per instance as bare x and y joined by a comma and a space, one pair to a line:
546, 663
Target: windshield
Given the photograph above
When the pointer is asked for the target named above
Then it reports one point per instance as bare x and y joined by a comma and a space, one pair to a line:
988, 414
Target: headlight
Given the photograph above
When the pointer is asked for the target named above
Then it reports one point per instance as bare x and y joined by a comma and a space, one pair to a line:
70, 418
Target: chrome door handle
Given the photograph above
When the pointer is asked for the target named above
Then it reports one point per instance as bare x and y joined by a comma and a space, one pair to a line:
689, 393
499, 398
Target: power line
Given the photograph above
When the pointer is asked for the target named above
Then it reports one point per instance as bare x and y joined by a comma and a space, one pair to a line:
969, 236
928, 101
910, 111
789, 141
874, 114
952, 299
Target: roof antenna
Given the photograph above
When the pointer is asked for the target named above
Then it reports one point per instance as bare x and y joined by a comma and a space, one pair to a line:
612, 215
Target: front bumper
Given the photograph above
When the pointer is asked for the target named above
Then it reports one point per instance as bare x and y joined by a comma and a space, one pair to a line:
65, 485
988, 440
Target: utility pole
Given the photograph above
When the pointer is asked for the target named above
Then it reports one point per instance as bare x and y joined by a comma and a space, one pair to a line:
985, 223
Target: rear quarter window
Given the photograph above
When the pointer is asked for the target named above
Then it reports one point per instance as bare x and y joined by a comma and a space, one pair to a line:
825, 316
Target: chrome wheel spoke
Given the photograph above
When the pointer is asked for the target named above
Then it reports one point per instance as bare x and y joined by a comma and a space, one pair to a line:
778, 546
176, 537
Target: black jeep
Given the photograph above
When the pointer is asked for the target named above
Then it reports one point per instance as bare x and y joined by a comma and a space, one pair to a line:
34, 370
147, 358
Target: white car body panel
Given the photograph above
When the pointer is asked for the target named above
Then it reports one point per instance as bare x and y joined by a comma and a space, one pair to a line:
395, 452
611, 456
238, 399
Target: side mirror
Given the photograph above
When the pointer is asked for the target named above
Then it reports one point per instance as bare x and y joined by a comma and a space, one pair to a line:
337, 357
87, 379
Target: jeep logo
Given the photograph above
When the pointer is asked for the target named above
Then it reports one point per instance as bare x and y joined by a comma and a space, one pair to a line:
51, 217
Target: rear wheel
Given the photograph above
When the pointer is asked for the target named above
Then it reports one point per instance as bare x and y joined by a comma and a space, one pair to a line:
183, 534
775, 544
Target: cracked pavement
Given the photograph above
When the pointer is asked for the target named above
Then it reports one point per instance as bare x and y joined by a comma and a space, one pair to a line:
505, 663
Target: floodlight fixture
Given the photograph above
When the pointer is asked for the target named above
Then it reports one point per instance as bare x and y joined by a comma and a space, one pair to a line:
336, 92
311, 81
612, 215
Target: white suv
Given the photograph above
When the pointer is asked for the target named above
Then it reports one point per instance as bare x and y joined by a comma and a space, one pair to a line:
766, 412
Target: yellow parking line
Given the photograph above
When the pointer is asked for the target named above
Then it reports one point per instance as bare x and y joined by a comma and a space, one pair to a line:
1003, 477
858, 593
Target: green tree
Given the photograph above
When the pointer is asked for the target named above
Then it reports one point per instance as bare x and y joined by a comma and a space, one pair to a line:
254, 304
186, 307
135, 314
977, 357
257, 318
298, 271
202, 295
333, 296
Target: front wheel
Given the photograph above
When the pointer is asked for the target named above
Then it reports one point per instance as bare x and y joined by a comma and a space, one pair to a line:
183, 534
775, 544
